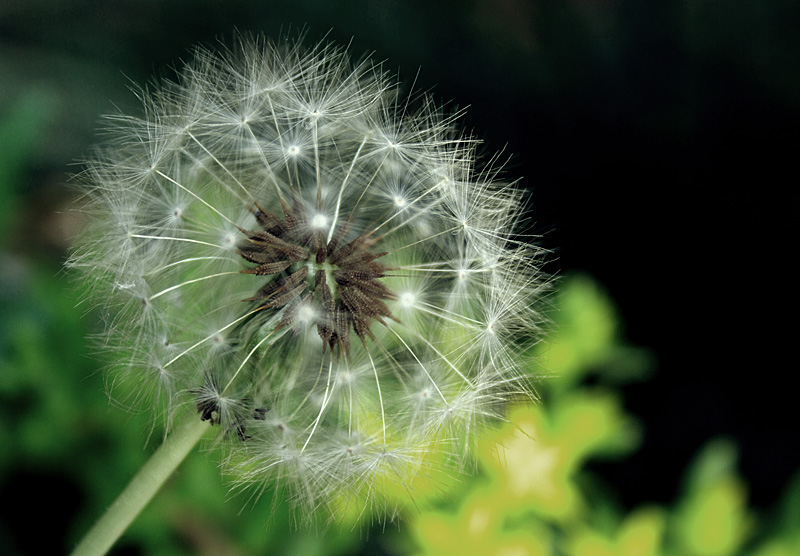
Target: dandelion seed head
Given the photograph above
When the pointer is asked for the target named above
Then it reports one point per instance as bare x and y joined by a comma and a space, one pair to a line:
288, 248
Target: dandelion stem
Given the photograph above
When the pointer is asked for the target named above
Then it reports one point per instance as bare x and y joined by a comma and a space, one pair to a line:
141, 489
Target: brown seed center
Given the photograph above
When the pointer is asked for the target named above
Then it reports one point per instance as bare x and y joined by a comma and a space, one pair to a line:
339, 279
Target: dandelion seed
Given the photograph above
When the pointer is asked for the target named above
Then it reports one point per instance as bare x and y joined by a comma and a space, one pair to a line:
323, 273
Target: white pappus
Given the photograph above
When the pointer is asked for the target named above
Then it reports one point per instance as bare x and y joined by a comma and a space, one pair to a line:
284, 245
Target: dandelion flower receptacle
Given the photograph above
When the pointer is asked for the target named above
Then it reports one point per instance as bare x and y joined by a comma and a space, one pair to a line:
289, 249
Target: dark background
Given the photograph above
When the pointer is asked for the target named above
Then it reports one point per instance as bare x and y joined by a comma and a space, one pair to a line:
659, 142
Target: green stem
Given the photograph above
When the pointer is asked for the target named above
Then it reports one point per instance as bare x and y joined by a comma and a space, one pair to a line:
177, 444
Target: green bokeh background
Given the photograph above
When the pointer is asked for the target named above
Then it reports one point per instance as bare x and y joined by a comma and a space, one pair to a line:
658, 143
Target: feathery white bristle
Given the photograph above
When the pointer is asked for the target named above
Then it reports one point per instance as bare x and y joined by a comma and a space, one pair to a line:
307, 150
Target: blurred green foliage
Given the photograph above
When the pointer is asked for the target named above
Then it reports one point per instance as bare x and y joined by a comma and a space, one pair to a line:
534, 496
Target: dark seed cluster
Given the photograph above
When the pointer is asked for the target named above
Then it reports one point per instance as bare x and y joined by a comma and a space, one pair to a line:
337, 279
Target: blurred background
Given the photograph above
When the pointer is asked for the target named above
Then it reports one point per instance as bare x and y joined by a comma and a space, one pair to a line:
658, 142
